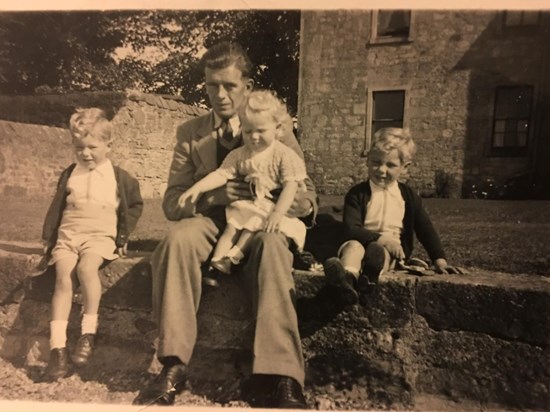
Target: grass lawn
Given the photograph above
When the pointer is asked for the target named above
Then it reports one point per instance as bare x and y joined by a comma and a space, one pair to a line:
507, 236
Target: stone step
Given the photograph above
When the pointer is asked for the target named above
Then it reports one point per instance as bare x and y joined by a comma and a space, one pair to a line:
482, 336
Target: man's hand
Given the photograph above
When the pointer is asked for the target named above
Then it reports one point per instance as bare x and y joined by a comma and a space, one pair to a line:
392, 246
301, 207
273, 222
237, 189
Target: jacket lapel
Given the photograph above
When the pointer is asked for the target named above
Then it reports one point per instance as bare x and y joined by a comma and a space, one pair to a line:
206, 146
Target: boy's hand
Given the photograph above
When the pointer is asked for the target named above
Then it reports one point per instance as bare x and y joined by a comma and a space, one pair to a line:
45, 247
301, 207
190, 195
443, 268
121, 251
273, 222
392, 246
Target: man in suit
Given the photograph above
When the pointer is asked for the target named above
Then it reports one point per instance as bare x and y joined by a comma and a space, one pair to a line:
202, 144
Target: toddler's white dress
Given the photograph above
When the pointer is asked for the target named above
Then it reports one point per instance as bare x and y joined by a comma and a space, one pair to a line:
265, 171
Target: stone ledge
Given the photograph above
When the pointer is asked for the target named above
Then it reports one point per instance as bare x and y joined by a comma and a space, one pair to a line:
483, 336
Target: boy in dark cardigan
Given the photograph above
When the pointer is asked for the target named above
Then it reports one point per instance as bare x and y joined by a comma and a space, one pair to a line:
382, 216
94, 209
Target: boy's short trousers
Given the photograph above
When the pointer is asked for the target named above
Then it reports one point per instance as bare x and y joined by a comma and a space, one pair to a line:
78, 246
86, 229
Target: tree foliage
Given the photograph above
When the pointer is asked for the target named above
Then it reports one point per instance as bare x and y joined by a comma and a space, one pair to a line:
93, 51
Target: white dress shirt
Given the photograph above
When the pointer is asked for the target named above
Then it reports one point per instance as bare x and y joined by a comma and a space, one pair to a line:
385, 210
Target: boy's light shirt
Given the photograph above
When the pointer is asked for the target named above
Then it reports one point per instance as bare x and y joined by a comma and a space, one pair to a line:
97, 186
385, 210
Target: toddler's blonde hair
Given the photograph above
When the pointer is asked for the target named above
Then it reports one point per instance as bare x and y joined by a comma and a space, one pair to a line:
90, 121
265, 101
390, 138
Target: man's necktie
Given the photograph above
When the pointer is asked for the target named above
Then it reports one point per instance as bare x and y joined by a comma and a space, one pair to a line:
226, 132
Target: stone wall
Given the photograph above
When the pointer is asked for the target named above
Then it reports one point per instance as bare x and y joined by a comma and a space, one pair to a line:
449, 70
36, 144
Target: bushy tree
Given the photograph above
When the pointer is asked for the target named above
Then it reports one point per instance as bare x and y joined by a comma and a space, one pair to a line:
75, 51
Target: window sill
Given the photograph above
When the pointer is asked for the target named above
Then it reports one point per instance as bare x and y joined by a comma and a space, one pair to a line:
389, 41
508, 152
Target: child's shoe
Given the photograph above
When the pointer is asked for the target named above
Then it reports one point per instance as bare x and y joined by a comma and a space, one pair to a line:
211, 278
342, 280
83, 350
375, 258
222, 265
58, 365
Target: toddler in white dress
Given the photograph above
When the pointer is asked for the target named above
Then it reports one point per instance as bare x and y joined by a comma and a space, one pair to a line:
267, 165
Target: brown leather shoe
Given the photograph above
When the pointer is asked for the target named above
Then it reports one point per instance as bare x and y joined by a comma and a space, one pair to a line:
288, 394
341, 280
58, 365
83, 349
162, 390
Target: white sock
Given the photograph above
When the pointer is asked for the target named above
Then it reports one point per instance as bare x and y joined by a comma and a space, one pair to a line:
58, 333
235, 255
89, 323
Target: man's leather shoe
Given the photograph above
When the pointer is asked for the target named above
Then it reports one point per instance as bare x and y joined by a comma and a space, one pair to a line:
288, 394
58, 365
83, 350
162, 390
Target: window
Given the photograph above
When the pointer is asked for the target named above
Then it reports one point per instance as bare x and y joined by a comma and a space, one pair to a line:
389, 26
515, 19
385, 108
511, 124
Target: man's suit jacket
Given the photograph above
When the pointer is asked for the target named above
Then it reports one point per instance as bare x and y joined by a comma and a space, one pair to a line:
195, 155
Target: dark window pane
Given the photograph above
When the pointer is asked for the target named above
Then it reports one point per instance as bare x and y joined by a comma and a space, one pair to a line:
512, 113
380, 125
394, 23
388, 105
514, 102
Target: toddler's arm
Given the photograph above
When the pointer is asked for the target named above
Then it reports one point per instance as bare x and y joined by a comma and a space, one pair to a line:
209, 182
281, 207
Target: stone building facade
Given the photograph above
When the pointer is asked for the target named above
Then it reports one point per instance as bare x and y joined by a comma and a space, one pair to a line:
36, 144
456, 79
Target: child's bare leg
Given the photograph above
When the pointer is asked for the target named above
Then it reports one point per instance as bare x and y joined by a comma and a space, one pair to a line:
351, 254
62, 300
58, 364
237, 252
225, 242
220, 259
88, 273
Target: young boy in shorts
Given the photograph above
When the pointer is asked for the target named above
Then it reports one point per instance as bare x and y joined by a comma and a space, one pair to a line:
382, 216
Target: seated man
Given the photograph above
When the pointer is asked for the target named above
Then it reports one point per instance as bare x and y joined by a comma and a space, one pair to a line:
202, 144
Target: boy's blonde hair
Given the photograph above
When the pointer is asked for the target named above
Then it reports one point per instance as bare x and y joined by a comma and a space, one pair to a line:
90, 121
265, 101
389, 138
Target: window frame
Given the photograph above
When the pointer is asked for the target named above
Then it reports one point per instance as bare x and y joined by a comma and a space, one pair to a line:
370, 106
521, 26
512, 151
375, 39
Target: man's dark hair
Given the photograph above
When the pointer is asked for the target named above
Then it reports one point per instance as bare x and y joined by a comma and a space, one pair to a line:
225, 54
